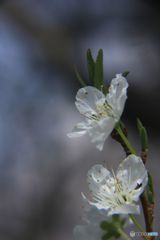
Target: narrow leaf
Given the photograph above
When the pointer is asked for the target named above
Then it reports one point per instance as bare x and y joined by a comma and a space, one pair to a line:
121, 124
143, 135
79, 77
98, 71
90, 65
139, 125
144, 139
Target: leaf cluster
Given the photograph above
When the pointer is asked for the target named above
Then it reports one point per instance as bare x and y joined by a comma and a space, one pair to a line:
111, 228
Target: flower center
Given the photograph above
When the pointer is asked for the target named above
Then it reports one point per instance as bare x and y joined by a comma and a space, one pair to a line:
112, 194
102, 111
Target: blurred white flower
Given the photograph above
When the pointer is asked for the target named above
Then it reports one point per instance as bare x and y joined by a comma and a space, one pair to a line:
91, 228
118, 193
101, 112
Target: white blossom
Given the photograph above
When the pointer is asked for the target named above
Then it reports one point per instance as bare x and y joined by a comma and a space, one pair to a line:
92, 218
118, 193
101, 111
90, 228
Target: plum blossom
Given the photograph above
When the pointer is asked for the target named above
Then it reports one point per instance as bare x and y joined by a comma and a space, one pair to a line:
101, 112
118, 193
90, 228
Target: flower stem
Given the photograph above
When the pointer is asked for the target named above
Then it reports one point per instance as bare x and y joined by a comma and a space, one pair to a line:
125, 140
139, 227
134, 220
123, 234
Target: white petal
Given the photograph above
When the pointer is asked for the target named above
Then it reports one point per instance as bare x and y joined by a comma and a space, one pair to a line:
90, 230
96, 177
93, 217
126, 209
87, 98
99, 205
117, 94
79, 130
133, 175
94, 213
99, 182
96, 216
101, 130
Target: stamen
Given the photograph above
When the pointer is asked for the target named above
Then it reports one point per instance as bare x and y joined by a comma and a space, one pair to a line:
113, 193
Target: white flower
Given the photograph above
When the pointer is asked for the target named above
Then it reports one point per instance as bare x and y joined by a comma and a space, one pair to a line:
90, 229
101, 112
118, 193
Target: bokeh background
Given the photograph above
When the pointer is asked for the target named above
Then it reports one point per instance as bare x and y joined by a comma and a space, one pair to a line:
42, 172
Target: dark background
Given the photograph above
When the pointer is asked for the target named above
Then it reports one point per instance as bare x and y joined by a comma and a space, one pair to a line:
42, 172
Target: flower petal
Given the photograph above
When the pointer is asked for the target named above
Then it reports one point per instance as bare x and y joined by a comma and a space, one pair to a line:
98, 204
99, 183
92, 219
133, 175
87, 98
117, 94
100, 131
125, 209
97, 176
93, 214
79, 130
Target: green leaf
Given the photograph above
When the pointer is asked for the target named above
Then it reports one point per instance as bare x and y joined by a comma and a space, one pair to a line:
104, 225
144, 139
143, 135
111, 227
150, 190
79, 77
122, 125
139, 125
125, 74
90, 65
98, 71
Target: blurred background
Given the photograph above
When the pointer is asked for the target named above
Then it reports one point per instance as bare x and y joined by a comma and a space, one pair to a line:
42, 172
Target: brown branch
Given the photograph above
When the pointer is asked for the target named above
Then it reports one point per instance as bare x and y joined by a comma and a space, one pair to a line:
148, 208
144, 155
148, 212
